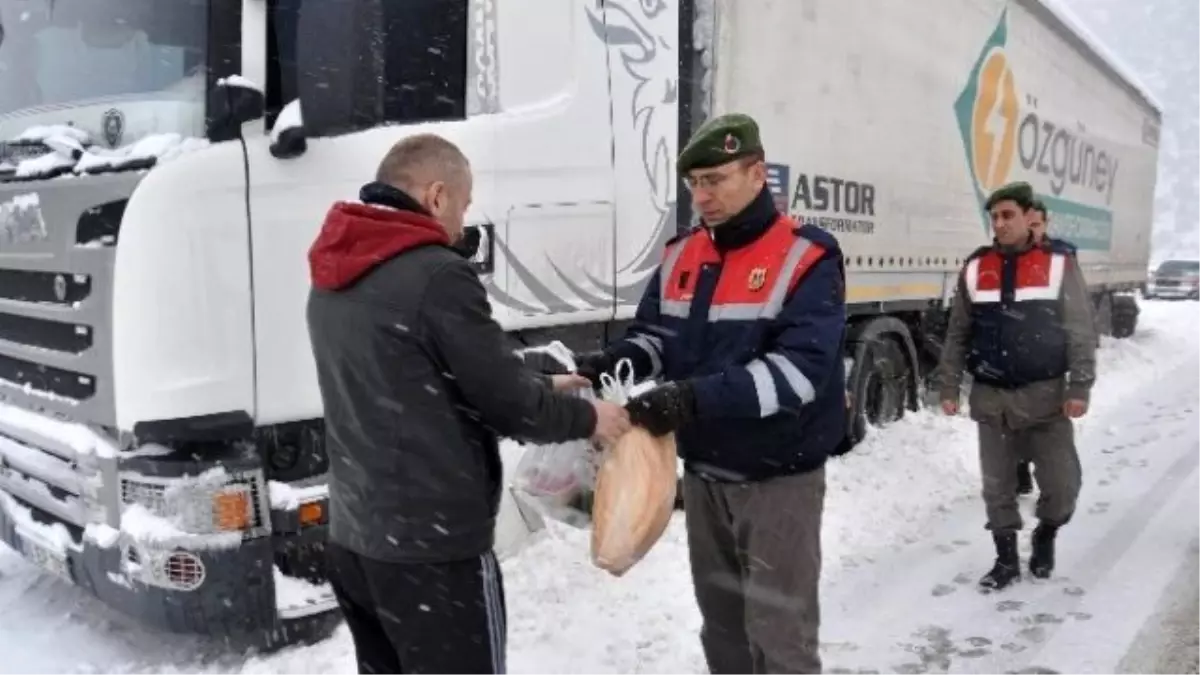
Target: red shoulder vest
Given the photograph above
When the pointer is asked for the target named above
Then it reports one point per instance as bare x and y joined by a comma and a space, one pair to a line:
1039, 276
755, 280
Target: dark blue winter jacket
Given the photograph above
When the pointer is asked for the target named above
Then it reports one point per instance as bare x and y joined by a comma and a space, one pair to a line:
752, 315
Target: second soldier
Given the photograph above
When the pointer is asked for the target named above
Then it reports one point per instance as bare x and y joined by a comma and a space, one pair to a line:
1021, 324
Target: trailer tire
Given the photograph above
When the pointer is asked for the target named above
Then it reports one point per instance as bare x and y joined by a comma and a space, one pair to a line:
882, 387
1124, 316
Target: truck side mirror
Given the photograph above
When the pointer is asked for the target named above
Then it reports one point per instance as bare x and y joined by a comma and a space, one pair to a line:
288, 138
234, 102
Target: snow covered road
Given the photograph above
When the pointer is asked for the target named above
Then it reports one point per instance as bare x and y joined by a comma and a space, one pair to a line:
919, 611
904, 543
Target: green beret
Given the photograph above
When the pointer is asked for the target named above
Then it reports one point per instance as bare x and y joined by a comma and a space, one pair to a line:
719, 141
1021, 193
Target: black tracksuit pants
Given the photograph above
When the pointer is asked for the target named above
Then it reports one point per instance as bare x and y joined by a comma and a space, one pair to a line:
422, 617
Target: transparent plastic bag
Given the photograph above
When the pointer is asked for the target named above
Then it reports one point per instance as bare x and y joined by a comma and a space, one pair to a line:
635, 488
557, 479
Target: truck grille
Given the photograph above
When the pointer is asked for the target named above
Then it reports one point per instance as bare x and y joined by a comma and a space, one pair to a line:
61, 336
53, 288
57, 250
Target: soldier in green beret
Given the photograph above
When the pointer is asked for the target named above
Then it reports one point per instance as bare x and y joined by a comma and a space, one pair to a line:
722, 148
754, 391
1021, 325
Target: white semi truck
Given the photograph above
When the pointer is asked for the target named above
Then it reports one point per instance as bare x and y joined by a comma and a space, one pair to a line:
167, 165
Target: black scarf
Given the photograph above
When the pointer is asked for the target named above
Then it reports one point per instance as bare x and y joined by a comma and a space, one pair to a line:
748, 225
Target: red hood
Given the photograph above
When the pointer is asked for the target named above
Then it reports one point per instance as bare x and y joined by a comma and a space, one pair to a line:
357, 237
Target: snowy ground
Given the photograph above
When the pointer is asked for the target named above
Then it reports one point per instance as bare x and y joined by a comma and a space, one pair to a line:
903, 542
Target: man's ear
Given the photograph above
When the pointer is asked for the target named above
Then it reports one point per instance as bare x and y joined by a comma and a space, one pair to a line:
435, 196
759, 172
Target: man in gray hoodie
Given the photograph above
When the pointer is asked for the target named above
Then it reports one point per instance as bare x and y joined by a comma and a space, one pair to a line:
417, 383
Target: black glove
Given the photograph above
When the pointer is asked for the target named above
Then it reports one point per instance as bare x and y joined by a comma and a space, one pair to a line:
591, 364
664, 408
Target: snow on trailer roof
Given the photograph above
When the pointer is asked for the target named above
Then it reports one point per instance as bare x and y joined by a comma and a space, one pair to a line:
1122, 70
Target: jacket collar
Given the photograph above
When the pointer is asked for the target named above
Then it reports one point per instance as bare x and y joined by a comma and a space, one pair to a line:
748, 225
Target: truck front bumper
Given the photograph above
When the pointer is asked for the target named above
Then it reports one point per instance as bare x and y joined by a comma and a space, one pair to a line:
147, 531
233, 592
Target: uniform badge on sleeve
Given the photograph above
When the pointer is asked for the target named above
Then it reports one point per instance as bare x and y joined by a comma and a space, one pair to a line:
758, 278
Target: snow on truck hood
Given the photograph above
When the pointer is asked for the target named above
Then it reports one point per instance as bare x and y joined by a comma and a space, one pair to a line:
70, 151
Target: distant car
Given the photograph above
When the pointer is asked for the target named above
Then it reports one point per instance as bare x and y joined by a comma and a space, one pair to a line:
1175, 279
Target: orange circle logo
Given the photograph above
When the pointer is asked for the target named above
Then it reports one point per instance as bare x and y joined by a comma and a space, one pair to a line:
994, 122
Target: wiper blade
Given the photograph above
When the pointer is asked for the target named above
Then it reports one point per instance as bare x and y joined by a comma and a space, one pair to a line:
15, 152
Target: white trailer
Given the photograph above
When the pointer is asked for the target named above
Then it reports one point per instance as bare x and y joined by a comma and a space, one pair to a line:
168, 165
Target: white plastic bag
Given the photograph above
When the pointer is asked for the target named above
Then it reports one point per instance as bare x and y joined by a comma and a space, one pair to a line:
558, 479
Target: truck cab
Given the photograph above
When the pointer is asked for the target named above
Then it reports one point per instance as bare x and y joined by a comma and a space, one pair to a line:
165, 167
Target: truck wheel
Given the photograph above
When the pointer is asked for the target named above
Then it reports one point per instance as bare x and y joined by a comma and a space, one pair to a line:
1124, 316
881, 386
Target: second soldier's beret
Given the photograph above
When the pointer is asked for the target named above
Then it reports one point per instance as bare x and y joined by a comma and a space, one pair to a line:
719, 141
1020, 192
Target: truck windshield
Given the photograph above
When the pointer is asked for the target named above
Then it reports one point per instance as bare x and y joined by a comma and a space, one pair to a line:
71, 54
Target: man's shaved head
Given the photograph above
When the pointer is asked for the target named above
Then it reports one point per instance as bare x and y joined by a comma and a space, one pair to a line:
415, 162
435, 173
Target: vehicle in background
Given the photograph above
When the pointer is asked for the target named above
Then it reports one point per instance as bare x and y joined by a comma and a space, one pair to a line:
1175, 279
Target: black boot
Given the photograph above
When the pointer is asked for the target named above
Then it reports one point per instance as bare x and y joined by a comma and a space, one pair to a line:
1041, 561
1024, 480
1008, 563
